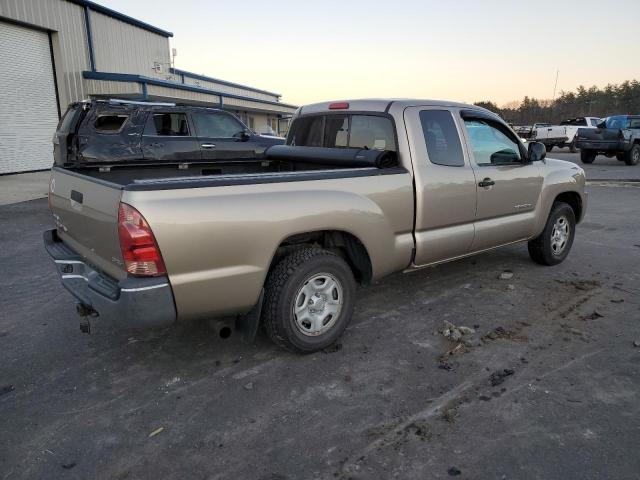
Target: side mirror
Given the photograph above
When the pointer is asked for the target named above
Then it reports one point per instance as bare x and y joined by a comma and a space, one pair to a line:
537, 151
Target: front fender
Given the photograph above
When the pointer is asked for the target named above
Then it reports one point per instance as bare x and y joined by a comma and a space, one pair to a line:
559, 177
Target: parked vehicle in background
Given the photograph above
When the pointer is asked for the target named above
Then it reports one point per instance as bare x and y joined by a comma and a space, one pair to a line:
617, 136
362, 189
563, 135
103, 131
523, 131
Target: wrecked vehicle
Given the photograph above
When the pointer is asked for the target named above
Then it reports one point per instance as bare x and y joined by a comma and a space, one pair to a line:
105, 131
362, 189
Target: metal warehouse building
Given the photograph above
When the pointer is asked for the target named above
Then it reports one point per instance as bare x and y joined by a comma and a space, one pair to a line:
54, 52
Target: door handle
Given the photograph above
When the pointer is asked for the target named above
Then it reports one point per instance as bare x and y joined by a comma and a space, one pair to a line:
208, 145
487, 182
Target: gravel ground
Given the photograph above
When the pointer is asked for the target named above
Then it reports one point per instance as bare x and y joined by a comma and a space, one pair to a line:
548, 390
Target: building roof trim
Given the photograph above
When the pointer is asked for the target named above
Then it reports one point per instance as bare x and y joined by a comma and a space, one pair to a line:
128, 77
122, 17
204, 78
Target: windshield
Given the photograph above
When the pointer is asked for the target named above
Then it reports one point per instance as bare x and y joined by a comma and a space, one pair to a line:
617, 122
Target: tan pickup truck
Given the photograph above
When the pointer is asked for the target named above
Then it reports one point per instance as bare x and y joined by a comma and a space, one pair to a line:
362, 189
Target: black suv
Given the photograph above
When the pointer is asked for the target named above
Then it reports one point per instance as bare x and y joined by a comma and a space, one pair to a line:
110, 131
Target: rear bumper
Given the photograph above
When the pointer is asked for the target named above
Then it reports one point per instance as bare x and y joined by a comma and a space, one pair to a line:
137, 302
603, 146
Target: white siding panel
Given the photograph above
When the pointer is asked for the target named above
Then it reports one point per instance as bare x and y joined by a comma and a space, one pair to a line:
29, 114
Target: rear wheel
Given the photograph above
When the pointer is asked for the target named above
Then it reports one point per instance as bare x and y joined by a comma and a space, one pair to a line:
587, 156
309, 299
632, 157
553, 244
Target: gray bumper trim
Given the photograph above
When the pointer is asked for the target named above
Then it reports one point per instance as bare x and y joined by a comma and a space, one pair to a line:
138, 302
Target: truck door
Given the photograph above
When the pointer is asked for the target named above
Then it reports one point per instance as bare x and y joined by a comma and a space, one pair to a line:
508, 185
444, 182
221, 136
169, 137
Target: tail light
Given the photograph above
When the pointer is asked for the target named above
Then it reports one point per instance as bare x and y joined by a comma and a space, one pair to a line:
139, 247
339, 106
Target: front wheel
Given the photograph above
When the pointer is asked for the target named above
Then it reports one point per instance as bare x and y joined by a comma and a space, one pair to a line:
309, 299
553, 244
587, 156
632, 157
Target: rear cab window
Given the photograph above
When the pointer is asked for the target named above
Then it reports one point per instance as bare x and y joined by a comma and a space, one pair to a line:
442, 138
361, 131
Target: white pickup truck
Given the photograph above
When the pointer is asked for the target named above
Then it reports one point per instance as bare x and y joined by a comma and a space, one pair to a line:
563, 135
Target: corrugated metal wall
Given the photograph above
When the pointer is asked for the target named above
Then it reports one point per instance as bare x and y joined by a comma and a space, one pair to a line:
106, 87
69, 41
235, 102
227, 89
173, 93
122, 48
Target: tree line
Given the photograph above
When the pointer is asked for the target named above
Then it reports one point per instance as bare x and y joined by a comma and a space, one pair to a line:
614, 99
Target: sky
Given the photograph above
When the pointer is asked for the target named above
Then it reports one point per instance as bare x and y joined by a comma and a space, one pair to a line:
464, 50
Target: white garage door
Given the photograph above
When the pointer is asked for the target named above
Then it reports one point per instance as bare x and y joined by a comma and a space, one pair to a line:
28, 111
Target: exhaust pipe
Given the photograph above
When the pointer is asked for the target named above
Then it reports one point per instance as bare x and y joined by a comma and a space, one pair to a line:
222, 329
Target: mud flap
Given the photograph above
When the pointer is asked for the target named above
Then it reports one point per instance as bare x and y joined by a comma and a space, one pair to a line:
247, 324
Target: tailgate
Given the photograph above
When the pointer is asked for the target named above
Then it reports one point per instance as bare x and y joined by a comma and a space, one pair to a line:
86, 215
599, 134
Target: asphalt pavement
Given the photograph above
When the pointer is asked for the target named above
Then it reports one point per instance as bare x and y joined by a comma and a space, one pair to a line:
548, 387
602, 168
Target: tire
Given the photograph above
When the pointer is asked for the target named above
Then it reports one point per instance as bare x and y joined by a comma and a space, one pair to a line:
297, 280
548, 148
550, 248
620, 156
587, 156
632, 157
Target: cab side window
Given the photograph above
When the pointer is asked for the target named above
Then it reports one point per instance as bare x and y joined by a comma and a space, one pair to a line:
491, 144
167, 124
441, 137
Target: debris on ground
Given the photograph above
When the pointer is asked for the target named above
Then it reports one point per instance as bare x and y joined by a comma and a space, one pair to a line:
455, 333
156, 432
6, 389
454, 472
68, 466
248, 386
583, 285
336, 347
506, 275
499, 376
511, 286
596, 314
636, 343
501, 332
